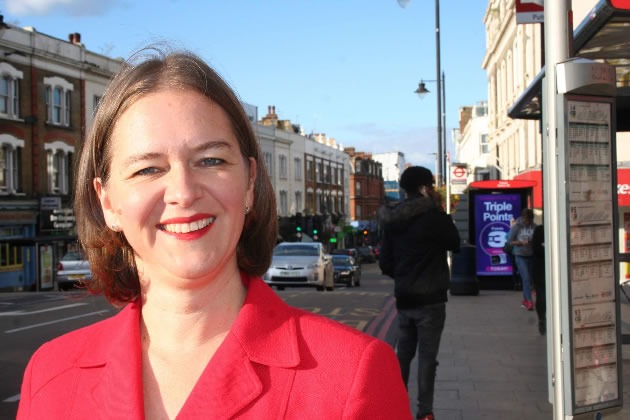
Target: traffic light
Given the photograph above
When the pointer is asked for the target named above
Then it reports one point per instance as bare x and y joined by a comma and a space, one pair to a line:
299, 229
365, 232
314, 231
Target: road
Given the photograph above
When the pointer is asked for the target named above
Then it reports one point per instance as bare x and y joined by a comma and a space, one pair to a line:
27, 320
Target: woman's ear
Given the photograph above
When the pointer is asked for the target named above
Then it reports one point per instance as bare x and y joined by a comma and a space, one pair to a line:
105, 200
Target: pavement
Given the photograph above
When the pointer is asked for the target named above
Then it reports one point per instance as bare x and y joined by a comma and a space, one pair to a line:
493, 362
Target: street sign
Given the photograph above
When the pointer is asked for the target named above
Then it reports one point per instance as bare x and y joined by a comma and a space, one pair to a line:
458, 175
530, 11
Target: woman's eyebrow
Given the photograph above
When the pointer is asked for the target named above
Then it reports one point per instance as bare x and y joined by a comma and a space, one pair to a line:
214, 144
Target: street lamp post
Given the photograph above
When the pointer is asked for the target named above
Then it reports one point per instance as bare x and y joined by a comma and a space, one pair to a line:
441, 152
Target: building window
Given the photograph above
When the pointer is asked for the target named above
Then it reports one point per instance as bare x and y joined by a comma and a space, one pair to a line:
59, 159
318, 171
297, 163
58, 101
283, 203
10, 164
358, 212
340, 176
309, 201
11, 257
309, 170
336, 176
357, 188
283, 167
10, 97
268, 157
341, 210
484, 143
10, 91
298, 201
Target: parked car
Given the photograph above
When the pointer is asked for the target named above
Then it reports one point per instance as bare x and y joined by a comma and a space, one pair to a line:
366, 254
347, 270
352, 252
300, 264
72, 269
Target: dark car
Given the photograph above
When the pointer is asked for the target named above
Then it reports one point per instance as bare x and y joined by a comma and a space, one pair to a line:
352, 252
366, 254
346, 270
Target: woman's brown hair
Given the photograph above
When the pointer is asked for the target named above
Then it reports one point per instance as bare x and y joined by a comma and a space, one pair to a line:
111, 257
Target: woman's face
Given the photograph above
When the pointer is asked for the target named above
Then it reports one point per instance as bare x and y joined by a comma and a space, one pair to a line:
178, 186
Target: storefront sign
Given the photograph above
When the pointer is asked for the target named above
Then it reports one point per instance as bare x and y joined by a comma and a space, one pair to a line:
57, 219
493, 214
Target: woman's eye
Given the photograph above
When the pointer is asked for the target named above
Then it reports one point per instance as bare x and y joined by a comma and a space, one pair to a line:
212, 161
147, 171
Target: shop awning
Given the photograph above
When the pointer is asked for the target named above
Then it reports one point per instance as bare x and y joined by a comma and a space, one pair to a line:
604, 36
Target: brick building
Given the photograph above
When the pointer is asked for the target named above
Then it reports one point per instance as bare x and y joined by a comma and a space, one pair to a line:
48, 90
367, 192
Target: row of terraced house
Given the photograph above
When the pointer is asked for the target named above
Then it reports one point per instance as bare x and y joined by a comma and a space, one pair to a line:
49, 89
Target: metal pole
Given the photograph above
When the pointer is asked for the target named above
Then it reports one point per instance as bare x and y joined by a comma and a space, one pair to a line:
444, 149
440, 176
556, 50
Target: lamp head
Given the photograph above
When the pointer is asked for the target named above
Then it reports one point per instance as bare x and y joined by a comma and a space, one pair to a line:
422, 90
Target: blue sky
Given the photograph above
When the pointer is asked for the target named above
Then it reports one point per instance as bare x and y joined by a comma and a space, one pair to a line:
347, 68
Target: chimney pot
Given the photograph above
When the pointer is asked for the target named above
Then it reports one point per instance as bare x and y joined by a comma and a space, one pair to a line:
77, 38
273, 109
71, 38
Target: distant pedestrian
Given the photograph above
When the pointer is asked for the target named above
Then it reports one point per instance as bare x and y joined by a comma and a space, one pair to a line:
417, 236
538, 243
520, 237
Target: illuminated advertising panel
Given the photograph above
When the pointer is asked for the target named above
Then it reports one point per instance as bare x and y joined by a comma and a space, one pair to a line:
493, 214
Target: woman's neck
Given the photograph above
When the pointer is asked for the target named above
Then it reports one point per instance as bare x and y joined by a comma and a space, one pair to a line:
181, 318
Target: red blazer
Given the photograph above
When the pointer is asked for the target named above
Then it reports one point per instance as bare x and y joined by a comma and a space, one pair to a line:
277, 362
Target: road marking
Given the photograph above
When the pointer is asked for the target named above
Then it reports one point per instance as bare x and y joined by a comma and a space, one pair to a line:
12, 399
55, 321
39, 311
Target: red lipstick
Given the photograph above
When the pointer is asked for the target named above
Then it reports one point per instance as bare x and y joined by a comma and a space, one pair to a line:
189, 236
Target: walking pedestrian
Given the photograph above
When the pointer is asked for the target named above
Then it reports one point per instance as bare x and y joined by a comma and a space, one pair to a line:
178, 218
417, 235
538, 243
520, 237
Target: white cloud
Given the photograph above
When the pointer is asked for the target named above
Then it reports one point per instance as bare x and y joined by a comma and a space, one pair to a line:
71, 7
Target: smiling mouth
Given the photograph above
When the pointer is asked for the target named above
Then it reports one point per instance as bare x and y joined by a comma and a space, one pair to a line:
187, 227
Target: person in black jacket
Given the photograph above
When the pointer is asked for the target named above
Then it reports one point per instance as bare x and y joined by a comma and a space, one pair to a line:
417, 235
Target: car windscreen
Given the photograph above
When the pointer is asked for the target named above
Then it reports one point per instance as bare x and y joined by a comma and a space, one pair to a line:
341, 260
296, 251
72, 256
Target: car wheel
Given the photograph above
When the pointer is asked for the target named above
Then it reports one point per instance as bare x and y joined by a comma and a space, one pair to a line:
280, 287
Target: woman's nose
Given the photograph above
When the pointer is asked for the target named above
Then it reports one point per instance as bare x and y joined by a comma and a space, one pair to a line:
182, 187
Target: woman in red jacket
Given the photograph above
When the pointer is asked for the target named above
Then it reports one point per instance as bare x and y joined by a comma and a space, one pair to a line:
178, 219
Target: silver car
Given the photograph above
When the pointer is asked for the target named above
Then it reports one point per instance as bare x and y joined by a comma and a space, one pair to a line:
300, 264
71, 269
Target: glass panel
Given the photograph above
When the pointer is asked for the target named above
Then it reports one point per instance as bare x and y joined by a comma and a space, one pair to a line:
3, 255
68, 103
4, 164
4, 95
16, 97
57, 105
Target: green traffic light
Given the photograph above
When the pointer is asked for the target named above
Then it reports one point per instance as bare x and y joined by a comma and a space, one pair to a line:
299, 229
333, 240
314, 231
